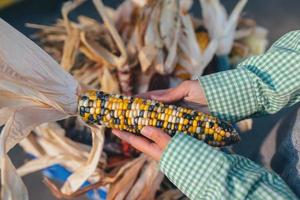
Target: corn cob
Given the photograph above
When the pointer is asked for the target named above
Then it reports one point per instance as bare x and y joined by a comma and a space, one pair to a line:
132, 113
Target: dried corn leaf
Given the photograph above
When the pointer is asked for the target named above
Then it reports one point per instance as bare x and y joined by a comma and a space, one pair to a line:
185, 5
146, 57
44, 28
173, 194
71, 44
40, 163
110, 26
119, 190
140, 3
70, 49
97, 52
169, 21
218, 25
108, 82
81, 174
31, 145
148, 182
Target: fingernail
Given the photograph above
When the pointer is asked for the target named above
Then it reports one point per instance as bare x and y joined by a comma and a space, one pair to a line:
145, 130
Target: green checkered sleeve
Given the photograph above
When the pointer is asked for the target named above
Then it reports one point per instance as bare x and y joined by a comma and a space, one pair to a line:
260, 85
203, 172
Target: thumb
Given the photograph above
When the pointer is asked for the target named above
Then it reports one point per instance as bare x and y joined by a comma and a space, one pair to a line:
156, 135
172, 94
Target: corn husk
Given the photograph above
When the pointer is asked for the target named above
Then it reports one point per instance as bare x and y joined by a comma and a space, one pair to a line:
219, 25
41, 88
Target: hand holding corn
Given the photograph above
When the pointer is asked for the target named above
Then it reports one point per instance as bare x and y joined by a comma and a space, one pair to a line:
132, 114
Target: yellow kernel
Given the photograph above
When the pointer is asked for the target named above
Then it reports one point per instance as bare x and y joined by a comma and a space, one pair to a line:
92, 97
211, 131
222, 133
180, 114
165, 124
185, 121
119, 112
154, 122
152, 114
206, 130
190, 129
167, 110
98, 103
180, 127
167, 118
195, 123
159, 115
85, 117
219, 139
97, 110
194, 129
172, 126
91, 92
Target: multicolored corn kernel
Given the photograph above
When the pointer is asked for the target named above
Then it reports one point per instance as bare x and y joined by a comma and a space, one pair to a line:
132, 114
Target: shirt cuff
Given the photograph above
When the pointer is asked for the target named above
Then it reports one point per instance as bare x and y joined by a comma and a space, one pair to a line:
189, 164
230, 95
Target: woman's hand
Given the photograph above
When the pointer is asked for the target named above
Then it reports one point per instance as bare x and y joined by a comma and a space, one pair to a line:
188, 90
157, 139
153, 146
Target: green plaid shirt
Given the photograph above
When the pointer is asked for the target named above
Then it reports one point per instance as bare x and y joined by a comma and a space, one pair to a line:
260, 85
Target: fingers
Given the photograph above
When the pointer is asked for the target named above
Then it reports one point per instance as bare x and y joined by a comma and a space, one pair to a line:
173, 94
140, 143
168, 95
147, 95
156, 135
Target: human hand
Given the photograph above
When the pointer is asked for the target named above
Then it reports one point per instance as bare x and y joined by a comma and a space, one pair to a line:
190, 91
157, 141
153, 145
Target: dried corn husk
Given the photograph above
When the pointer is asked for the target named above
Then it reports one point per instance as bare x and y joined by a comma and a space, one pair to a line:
71, 43
219, 26
38, 89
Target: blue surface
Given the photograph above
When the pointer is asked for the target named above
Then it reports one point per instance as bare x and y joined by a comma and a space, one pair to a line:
60, 174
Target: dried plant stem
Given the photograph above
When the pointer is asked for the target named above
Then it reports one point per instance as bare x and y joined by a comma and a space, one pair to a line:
109, 24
